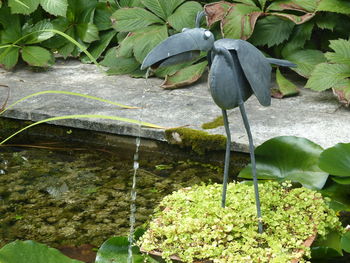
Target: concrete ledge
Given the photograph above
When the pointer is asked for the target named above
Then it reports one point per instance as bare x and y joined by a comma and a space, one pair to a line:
316, 116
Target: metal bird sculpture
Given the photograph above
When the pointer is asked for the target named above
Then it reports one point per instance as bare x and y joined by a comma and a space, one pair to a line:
237, 70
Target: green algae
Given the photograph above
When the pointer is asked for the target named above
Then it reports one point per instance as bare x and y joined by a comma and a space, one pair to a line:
199, 141
74, 198
217, 122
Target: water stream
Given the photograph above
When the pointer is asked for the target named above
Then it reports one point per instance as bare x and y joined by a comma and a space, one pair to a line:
136, 165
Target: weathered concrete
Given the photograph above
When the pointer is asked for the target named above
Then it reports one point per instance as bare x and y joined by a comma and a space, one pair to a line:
316, 116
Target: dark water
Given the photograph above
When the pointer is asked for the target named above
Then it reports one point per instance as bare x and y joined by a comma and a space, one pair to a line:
83, 196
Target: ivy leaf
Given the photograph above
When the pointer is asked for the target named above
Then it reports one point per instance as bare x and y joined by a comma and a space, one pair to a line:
306, 60
131, 19
102, 17
185, 76
271, 30
147, 39
23, 6
35, 34
336, 160
285, 87
342, 51
98, 47
87, 32
336, 6
216, 11
11, 58
162, 8
289, 158
185, 15
240, 21
326, 76
301, 33
32, 252
122, 65
131, 3
55, 7
296, 5
37, 56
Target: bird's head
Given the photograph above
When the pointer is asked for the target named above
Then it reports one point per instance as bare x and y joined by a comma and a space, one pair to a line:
181, 47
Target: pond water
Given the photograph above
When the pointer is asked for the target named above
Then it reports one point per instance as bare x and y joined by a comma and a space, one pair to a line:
74, 196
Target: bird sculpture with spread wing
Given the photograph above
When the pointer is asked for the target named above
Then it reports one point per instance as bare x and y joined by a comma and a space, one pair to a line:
237, 70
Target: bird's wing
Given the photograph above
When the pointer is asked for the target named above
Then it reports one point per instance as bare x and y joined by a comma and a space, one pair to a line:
254, 65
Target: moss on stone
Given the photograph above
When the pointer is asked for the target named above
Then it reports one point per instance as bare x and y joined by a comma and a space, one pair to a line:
199, 141
217, 122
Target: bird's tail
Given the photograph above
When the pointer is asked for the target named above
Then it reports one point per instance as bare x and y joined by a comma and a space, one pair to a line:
281, 62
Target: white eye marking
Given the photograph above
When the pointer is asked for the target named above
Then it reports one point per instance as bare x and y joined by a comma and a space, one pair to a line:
184, 29
207, 34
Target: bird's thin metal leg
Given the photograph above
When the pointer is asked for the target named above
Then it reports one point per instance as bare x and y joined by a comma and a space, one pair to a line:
252, 157
227, 158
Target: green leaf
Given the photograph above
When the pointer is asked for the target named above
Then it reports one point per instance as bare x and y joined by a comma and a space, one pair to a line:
341, 52
306, 60
32, 252
12, 26
98, 47
162, 72
81, 11
147, 39
185, 16
131, 19
285, 87
336, 160
35, 33
102, 17
162, 8
121, 65
11, 58
130, 3
289, 158
336, 6
297, 5
37, 56
339, 194
23, 6
185, 76
271, 30
345, 242
341, 180
327, 20
301, 33
87, 32
326, 76
115, 249
126, 46
240, 21
328, 247
55, 7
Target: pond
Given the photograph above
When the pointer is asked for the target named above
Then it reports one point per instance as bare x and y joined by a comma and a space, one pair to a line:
68, 195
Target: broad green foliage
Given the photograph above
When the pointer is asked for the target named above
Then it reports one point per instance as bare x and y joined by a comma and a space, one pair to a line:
115, 249
54, 7
191, 225
335, 73
32, 252
289, 158
146, 27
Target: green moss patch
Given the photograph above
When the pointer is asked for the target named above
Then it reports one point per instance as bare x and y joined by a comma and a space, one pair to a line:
217, 122
199, 141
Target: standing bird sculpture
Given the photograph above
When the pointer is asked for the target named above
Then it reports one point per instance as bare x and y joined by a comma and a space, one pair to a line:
237, 70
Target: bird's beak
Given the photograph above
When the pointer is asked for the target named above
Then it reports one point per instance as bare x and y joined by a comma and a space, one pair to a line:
179, 48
